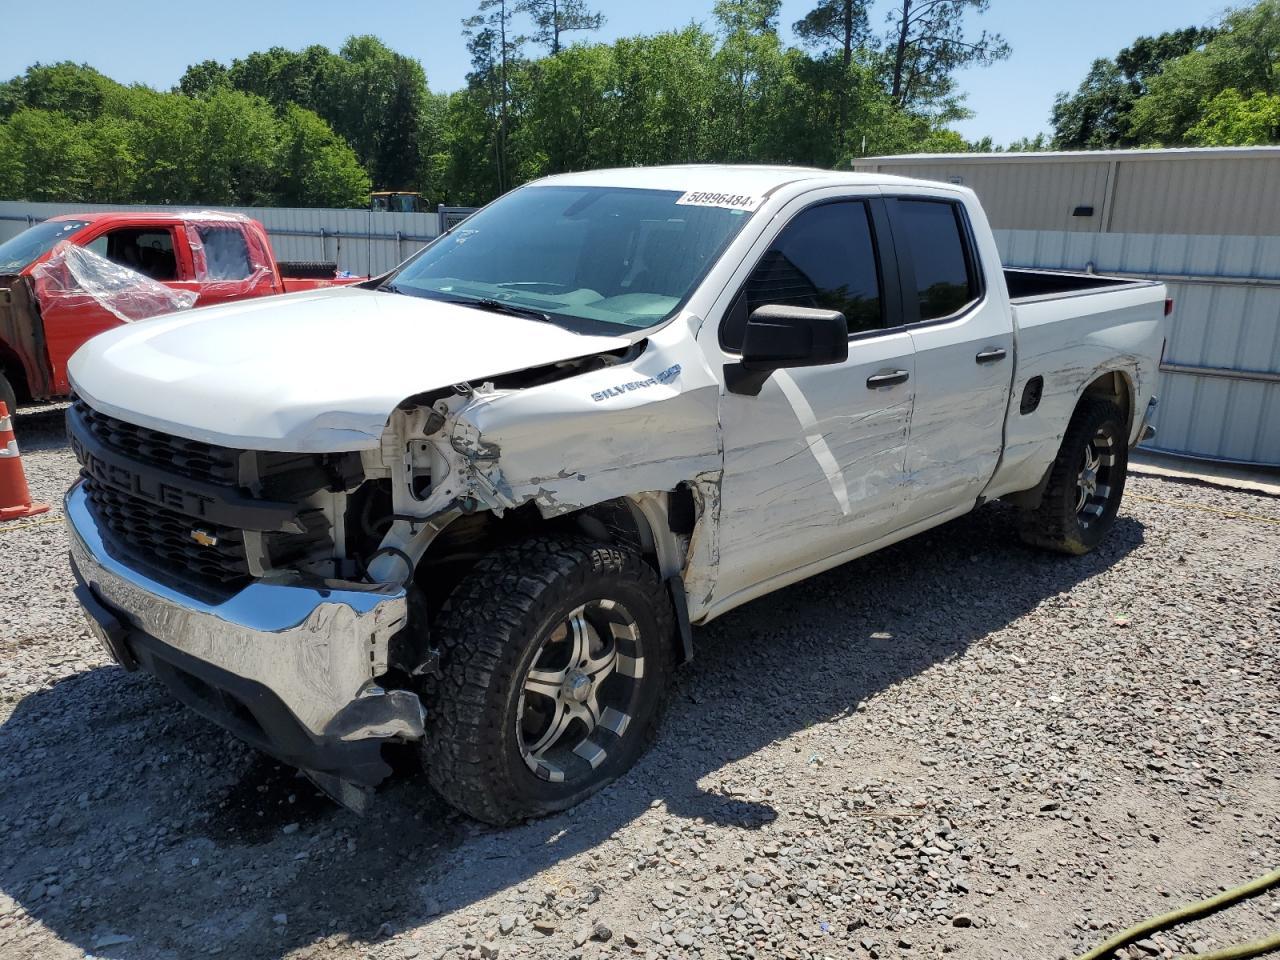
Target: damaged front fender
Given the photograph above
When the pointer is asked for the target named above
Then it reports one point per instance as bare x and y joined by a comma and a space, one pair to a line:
650, 424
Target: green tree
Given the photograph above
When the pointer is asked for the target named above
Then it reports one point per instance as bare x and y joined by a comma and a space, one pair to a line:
1030, 144
927, 43
53, 154
568, 112
75, 90
664, 98
12, 174
1241, 56
1232, 120
839, 25
371, 96
237, 149
319, 168
495, 52
1097, 115
164, 142
750, 63
282, 76
551, 18
112, 168
201, 79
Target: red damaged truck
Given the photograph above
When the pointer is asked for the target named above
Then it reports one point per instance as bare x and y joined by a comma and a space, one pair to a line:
71, 277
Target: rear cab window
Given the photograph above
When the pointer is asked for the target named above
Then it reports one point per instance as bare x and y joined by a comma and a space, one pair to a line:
226, 253
825, 258
935, 235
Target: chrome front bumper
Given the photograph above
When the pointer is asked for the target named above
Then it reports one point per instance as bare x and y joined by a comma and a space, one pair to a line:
290, 668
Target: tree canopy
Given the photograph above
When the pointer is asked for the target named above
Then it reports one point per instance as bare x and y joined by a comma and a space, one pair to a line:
1200, 86
69, 133
319, 127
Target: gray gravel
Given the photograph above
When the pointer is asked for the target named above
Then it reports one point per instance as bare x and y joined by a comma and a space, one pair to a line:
958, 747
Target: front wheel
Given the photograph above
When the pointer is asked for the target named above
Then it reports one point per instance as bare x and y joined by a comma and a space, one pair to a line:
555, 660
1086, 482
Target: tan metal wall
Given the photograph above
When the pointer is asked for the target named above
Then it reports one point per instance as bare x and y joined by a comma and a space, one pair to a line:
1025, 196
1236, 195
1231, 191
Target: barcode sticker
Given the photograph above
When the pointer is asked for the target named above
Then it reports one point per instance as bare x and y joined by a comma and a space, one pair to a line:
709, 198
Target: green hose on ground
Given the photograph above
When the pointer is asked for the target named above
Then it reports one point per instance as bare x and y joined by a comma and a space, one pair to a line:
1240, 951
1191, 912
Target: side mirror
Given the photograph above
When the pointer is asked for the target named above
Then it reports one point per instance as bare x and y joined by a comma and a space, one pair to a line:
779, 336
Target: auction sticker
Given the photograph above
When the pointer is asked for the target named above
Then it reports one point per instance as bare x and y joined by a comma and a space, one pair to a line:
710, 198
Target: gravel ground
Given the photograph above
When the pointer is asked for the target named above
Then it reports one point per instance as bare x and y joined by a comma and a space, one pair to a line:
957, 746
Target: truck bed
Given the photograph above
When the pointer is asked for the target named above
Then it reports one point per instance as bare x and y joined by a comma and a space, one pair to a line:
1026, 286
1070, 326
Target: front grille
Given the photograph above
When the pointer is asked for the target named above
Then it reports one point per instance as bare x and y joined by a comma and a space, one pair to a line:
163, 539
127, 502
186, 458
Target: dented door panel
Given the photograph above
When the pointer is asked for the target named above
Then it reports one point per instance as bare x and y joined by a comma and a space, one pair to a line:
815, 464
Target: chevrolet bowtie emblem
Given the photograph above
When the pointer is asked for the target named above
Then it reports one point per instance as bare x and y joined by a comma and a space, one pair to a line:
203, 538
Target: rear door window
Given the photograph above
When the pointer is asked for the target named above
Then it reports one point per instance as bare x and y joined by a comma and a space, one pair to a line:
935, 234
226, 254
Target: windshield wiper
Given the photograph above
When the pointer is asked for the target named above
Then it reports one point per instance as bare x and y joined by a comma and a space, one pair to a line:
480, 303
501, 306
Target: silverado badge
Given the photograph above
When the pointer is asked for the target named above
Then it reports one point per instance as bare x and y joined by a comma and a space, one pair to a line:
204, 538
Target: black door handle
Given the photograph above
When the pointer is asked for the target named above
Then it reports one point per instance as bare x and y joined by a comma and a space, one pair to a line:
993, 355
887, 379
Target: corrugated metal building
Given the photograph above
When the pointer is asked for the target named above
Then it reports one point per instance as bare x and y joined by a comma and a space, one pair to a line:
1206, 221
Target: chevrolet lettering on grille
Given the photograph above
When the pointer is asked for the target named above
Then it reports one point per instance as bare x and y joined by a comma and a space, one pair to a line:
159, 492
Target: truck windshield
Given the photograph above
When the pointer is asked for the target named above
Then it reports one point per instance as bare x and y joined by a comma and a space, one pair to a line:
589, 258
19, 251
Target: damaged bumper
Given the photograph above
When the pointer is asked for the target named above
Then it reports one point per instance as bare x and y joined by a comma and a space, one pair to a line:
287, 668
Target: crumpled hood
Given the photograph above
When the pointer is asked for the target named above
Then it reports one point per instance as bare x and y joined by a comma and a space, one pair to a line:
319, 371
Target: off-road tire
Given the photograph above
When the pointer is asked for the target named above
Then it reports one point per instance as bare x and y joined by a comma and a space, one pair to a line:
8, 396
307, 269
489, 633
1056, 524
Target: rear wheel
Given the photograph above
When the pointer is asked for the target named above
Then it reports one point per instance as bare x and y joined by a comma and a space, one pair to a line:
556, 657
1086, 482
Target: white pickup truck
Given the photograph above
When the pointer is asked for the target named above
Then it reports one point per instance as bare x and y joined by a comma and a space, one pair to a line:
478, 504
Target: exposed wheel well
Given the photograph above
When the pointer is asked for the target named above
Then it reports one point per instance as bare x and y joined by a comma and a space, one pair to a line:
624, 522
1114, 386
462, 544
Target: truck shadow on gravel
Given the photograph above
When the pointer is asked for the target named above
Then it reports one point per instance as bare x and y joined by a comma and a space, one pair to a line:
136, 829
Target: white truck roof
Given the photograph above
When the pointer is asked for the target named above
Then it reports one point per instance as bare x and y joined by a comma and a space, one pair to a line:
757, 180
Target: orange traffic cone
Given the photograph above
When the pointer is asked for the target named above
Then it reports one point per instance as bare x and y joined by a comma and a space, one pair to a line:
15, 497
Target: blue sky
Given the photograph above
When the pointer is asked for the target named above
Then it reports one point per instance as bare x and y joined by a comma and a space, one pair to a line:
1053, 41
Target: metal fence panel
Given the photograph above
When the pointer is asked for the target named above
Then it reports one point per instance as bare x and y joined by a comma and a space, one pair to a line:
1220, 383
359, 241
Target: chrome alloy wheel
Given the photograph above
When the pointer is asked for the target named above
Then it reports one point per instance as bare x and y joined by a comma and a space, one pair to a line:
1093, 484
577, 697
